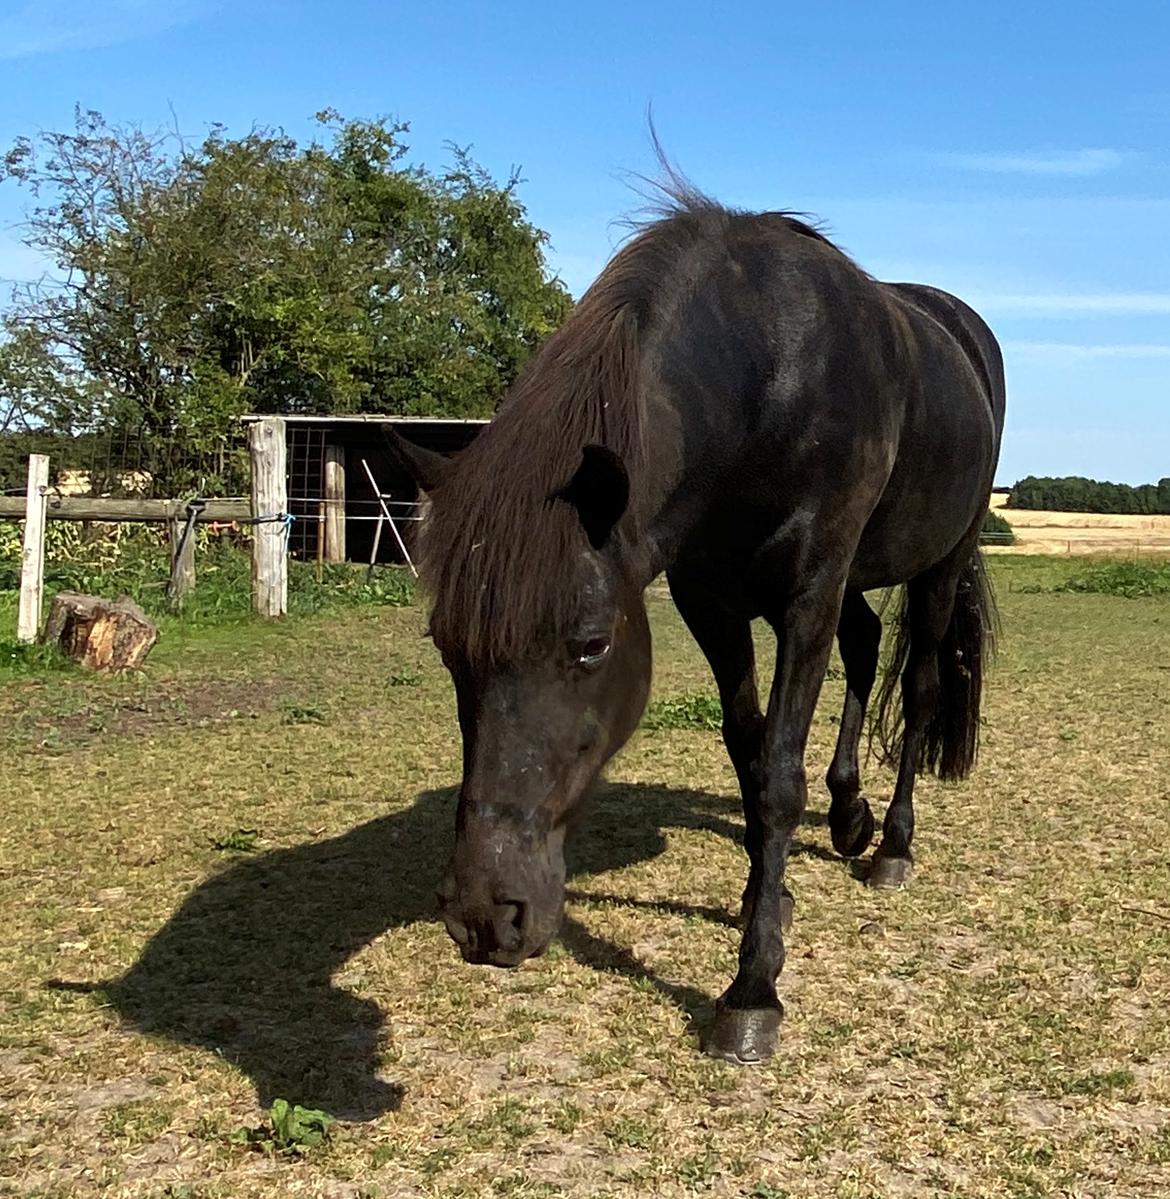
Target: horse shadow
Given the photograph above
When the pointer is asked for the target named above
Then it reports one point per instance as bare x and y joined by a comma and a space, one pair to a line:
244, 967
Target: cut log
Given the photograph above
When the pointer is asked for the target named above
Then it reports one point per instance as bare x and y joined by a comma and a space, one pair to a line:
100, 634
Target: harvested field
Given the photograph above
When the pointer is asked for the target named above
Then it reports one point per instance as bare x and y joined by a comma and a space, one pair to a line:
1078, 533
216, 884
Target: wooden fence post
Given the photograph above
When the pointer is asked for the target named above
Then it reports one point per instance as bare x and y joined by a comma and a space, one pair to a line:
269, 508
334, 493
32, 566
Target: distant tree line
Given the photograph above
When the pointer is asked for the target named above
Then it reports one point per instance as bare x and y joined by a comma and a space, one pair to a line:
193, 283
1076, 494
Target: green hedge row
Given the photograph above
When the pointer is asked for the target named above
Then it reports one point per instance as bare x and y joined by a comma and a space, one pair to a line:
1073, 493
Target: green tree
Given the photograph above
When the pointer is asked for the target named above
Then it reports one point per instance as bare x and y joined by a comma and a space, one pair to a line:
1073, 493
196, 283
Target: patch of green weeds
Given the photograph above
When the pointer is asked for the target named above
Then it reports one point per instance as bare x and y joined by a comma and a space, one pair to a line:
632, 1134
383, 1155
136, 1122
520, 1186
767, 1190
435, 1162
291, 1129
1127, 579
239, 840
695, 710
505, 1125
566, 1117
607, 1061
1097, 1083
834, 1032
1157, 1148
699, 1171
25, 658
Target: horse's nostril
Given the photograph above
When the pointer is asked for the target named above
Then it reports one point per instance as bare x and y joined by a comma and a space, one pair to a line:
509, 924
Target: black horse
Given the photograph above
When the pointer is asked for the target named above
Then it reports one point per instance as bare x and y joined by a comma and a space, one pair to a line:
736, 403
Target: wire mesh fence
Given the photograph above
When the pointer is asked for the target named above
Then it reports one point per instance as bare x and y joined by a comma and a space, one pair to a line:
127, 461
306, 489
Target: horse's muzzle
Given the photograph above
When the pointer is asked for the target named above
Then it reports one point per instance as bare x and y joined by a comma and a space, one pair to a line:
495, 932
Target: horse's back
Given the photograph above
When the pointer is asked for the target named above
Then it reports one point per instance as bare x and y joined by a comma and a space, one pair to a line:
822, 400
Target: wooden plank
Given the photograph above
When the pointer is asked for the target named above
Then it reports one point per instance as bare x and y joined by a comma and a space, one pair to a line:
334, 494
79, 507
269, 509
32, 566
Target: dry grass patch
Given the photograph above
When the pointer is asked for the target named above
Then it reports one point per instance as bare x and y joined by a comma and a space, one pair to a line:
998, 1029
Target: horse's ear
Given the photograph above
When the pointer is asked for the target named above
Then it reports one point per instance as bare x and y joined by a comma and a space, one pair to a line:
425, 467
600, 491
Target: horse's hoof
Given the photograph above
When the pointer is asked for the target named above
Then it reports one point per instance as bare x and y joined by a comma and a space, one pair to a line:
852, 840
888, 874
745, 1036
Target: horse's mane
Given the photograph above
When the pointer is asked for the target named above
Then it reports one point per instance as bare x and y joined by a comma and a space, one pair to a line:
498, 551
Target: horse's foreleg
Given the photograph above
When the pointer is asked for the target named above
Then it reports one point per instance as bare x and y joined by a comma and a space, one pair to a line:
726, 641
859, 634
748, 1015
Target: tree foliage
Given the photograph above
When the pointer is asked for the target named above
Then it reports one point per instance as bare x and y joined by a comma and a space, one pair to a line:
1076, 494
195, 283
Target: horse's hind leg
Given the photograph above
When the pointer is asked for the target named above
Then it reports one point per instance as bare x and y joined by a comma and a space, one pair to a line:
930, 601
859, 634
726, 641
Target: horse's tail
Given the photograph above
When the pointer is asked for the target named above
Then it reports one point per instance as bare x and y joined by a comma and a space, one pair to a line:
951, 743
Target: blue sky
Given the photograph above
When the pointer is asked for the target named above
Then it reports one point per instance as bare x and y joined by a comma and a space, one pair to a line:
1017, 154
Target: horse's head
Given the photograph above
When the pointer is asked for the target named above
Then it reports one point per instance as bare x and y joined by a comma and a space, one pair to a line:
536, 734
538, 724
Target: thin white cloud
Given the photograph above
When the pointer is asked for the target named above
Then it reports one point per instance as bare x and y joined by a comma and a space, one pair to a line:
1063, 304
1071, 352
1075, 163
56, 25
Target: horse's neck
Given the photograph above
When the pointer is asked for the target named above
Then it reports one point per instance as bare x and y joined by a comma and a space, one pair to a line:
670, 504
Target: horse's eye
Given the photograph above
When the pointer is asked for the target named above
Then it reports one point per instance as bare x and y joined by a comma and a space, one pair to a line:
591, 652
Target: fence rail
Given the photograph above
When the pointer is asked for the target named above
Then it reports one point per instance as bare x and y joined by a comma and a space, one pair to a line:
71, 507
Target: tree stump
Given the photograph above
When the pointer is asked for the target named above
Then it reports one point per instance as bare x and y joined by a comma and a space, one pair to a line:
100, 634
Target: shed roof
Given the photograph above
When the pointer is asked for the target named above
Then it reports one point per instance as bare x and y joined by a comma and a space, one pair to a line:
369, 418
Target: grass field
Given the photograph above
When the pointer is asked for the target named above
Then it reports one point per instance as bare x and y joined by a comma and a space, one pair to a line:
216, 880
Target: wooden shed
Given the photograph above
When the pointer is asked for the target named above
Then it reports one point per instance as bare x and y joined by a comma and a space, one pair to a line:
342, 481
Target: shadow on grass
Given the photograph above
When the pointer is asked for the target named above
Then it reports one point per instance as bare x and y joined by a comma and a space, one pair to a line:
244, 967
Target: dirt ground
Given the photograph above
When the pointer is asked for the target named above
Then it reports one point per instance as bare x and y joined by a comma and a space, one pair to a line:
216, 884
